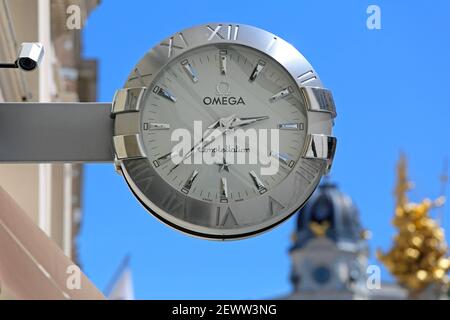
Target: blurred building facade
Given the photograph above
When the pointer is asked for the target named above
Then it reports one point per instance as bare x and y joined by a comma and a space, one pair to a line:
49, 193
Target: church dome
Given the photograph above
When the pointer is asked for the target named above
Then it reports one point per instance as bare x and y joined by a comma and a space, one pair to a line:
329, 213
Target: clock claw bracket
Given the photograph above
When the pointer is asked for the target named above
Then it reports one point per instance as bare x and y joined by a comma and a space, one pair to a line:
319, 145
125, 111
319, 100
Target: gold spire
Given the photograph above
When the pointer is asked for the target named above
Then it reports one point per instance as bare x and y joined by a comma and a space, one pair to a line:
403, 185
418, 255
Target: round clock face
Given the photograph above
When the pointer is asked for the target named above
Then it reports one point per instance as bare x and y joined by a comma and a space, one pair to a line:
218, 135
217, 82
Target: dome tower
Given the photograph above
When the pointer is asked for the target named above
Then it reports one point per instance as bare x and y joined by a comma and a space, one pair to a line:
329, 252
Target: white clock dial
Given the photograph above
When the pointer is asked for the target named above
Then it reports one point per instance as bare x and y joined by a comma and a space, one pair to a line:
214, 82
240, 83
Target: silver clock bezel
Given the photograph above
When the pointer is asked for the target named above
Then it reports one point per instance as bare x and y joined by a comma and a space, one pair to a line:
187, 214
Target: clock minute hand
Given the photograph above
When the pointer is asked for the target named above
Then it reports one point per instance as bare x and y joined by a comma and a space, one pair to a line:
223, 122
240, 122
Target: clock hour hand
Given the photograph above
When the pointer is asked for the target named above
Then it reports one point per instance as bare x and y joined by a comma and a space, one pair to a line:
239, 122
218, 128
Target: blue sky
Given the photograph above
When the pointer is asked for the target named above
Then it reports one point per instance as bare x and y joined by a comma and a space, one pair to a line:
391, 87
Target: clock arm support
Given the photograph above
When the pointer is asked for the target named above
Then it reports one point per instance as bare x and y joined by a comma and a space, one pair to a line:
55, 132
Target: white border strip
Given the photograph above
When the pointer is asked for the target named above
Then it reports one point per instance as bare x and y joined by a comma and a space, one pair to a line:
45, 198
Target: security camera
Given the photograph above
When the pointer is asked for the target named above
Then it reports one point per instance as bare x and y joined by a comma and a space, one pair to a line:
30, 56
